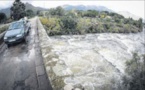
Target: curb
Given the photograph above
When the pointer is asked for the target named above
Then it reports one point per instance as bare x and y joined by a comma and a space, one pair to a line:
43, 81
2, 44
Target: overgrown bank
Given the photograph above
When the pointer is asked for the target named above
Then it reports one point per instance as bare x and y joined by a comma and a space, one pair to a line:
60, 22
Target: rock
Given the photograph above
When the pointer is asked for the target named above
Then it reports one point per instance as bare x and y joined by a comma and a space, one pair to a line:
61, 62
58, 69
68, 87
77, 89
47, 69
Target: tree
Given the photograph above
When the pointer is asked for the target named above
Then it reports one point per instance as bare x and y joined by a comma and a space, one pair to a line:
59, 11
30, 13
112, 14
38, 12
71, 13
127, 21
140, 24
117, 20
116, 15
102, 14
17, 10
91, 13
52, 11
79, 13
3, 17
106, 12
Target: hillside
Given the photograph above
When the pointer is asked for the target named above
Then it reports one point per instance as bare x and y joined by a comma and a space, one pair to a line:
28, 6
6, 11
35, 9
88, 7
127, 14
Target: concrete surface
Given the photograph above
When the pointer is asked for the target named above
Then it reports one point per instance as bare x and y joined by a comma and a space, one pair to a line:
21, 65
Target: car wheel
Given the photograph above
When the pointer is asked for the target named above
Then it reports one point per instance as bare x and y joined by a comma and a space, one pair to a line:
25, 40
8, 45
28, 32
29, 27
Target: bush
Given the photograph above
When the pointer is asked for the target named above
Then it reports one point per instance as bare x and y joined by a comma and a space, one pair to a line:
83, 25
119, 25
71, 13
9, 20
134, 29
60, 22
127, 28
115, 30
107, 26
117, 20
52, 25
68, 24
91, 13
4, 28
92, 29
135, 78
115, 15
100, 28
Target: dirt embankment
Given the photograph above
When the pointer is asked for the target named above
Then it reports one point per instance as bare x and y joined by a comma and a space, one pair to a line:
1, 38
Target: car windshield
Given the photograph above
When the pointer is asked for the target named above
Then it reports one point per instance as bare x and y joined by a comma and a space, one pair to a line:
16, 25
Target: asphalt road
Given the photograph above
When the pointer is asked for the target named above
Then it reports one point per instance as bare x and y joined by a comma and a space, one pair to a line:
18, 65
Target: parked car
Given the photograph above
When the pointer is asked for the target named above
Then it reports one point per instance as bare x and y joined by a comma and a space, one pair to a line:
17, 32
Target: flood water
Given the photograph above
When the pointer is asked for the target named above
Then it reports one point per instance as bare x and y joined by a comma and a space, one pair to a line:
92, 61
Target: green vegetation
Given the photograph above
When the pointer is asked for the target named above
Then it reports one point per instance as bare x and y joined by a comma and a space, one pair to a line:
3, 17
58, 11
90, 13
135, 78
2, 29
18, 10
58, 21
30, 13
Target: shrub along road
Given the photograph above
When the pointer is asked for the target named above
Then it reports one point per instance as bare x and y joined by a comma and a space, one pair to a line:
21, 65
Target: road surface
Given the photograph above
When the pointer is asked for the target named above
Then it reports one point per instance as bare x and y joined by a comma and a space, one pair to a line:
19, 65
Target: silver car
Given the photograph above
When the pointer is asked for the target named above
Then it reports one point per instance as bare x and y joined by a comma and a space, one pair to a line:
17, 32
